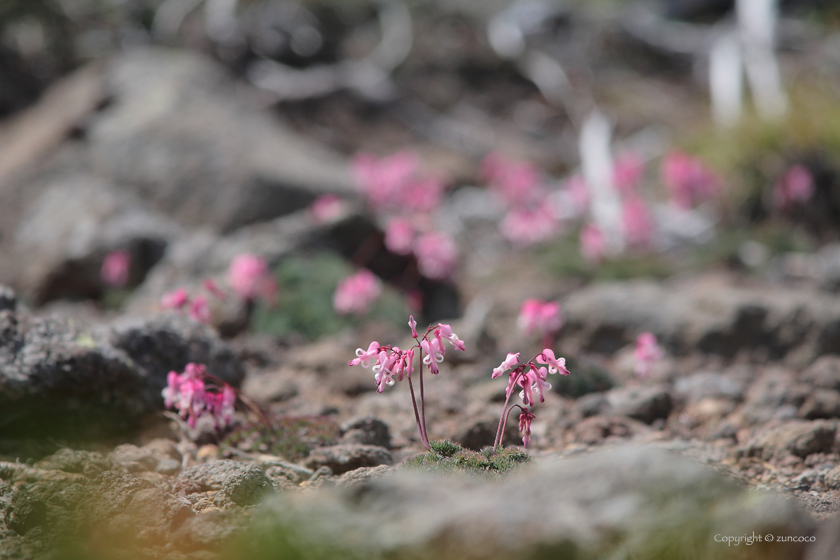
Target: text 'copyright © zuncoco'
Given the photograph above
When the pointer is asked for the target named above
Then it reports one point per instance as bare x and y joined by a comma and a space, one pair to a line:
737, 540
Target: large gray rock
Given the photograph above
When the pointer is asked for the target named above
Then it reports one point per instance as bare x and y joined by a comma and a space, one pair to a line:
58, 379
629, 502
708, 315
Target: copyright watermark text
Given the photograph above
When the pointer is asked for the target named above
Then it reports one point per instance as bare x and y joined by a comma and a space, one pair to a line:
769, 537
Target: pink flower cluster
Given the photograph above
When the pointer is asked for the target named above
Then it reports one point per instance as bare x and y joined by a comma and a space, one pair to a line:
538, 316
688, 180
795, 186
356, 293
193, 397
396, 183
327, 208
115, 269
391, 364
531, 378
647, 353
249, 279
531, 218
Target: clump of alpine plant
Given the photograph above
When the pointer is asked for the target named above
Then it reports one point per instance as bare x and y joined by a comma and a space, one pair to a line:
531, 378
195, 393
392, 364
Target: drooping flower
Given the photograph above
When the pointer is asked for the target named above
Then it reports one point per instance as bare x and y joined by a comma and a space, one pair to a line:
356, 293
399, 236
445, 331
555, 365
795, 186
412, 324
688, 180
647, 353
115, 269
250, 278
533, 380
538, 316
510, 361
437, 255
363, 356
525, 418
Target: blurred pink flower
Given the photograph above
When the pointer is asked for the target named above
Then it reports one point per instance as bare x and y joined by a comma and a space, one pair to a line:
199, 310
115, 269
327, 208
516, 182
356, 293
399, 236
593, 244
437, 255
250, 278
638, 223
190, 395
528, 226
578, 189
175, 300
396, 182
796, 185
538, 316
628, 171
647, 353
688, 180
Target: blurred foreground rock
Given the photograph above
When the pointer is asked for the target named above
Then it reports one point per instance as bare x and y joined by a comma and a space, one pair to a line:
635, 502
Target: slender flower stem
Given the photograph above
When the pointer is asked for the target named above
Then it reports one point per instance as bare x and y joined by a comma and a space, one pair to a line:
422, 401
423, 439
503, 420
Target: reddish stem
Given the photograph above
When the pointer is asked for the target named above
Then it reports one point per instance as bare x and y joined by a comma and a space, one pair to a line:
503, 420
423, 438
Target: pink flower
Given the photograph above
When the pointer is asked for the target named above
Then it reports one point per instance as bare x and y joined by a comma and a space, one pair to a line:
533, 380
628, 170
327, 208
647, 353
363, 357
357, 293
509, 362
537, 316
437, 255
175, 300
593, 244
115, 269
689, 181
189, 394
528, 226
399, 236
638, 224
199, 310
445, 331
516, 182
396, 183
525, 418
432, 353
555, 365
797, 185
250, 278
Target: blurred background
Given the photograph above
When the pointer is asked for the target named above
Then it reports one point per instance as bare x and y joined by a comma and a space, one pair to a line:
448, 147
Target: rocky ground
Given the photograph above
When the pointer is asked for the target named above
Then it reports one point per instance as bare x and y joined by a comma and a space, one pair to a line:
176, 154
